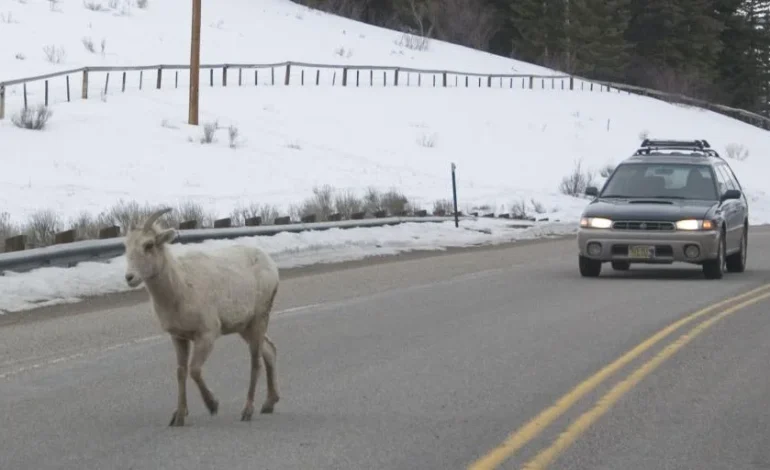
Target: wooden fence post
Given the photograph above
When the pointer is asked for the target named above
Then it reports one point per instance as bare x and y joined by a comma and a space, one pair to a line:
160, 77
68, 88
345, 76
2, 101
444, 79
46, 92
84, 91
224, 75
124, 82
25, 95
395, 78
288, 74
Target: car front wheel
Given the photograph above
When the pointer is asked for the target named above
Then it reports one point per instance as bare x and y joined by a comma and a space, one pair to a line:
715, 268
736, 263
589, 267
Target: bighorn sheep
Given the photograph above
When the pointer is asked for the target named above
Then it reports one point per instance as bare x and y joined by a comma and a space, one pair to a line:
198, 297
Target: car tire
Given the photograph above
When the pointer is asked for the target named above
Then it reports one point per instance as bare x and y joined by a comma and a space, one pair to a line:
736, 263
715, 268
589, 267
621, 265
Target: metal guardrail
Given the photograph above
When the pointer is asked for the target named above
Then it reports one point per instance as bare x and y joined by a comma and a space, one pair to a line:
70, 254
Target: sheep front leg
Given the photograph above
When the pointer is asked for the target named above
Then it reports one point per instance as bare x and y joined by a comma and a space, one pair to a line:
202, 348
182, 348
254, 337
269, 353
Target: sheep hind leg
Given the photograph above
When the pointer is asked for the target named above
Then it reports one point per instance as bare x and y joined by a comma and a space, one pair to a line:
254, 336
269, 354
182, 348
203, 346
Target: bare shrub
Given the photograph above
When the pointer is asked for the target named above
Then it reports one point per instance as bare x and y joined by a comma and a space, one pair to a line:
413, 42
103, 46
576, 182
737, 151
348, 204
88, 43
53, 5
466, 22
537, 206
607, 170
7, 18
372, 201
7, 229
443, 205
294, 145
519, 210
42, 228
394, 202
142, 4
128, 215
644, 134
342, 52
87, 227
267, 212
427, 141
321, 203
21, 56
33, 119
53, 54
232, 132
113, 4
209, 129
93, 5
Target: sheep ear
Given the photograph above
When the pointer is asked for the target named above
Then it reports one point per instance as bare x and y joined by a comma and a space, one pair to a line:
166, 236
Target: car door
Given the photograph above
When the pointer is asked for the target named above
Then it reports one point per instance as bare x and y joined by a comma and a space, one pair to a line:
742, 204
730, 208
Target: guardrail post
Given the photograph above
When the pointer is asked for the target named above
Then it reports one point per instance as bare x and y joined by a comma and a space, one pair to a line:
67, 236
358, 215
109, 232
84, 93
223, 223
253, 221
309, 219
2, 101
282, 220
17, 243
188, 225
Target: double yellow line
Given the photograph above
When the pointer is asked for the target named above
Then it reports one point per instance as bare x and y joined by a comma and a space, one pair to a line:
534, 427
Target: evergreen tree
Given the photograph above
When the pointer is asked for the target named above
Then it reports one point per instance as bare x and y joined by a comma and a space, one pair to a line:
597, 38
539, 31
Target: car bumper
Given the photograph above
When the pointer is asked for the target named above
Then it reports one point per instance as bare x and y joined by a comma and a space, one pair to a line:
669, 247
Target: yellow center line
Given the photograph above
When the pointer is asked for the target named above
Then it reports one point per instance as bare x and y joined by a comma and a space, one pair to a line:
536, 425
579, 426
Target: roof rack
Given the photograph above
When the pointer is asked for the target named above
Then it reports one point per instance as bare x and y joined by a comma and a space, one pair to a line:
695, 147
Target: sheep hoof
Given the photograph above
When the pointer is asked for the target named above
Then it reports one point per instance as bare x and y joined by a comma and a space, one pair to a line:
247, 413
213, 406
267, 408
177, 419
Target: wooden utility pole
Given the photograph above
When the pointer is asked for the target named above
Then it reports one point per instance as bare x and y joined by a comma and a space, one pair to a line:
195, 62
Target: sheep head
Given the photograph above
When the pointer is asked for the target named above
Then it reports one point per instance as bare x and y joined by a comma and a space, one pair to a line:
146, 249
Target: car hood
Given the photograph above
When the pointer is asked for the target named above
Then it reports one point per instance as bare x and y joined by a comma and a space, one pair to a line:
669, 210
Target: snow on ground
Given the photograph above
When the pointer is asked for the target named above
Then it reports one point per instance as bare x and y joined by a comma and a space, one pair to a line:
50, 286
509, 146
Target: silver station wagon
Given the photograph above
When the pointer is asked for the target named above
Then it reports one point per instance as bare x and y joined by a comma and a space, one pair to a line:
671, 201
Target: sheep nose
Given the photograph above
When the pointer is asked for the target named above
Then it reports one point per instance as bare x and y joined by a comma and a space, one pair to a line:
129, 277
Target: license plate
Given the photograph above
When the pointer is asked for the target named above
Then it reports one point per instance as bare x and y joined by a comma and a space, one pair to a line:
641, 251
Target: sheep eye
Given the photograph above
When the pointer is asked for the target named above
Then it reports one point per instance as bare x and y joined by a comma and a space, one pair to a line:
148, 246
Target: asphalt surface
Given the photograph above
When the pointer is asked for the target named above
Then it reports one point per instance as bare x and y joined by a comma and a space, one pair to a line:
426, 363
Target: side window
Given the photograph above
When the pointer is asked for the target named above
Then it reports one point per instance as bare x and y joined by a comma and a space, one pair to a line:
725, 176
721, 182
733, 178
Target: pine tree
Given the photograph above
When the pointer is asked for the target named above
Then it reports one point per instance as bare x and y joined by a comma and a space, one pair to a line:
597, 37
539, 31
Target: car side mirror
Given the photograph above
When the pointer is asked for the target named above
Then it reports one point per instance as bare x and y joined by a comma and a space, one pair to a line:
731, 194
592, 191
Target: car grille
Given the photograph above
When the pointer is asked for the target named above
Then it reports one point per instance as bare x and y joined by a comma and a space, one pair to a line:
643, 225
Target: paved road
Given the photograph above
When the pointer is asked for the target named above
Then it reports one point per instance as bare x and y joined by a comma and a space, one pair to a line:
425, 363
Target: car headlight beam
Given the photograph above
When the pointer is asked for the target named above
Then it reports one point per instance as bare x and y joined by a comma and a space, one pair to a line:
694, 224
595, 222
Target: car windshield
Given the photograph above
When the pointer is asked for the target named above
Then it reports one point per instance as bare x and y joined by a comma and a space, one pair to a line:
661, 180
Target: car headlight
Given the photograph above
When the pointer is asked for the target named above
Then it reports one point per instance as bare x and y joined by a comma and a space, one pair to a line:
695, 224
595, 222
